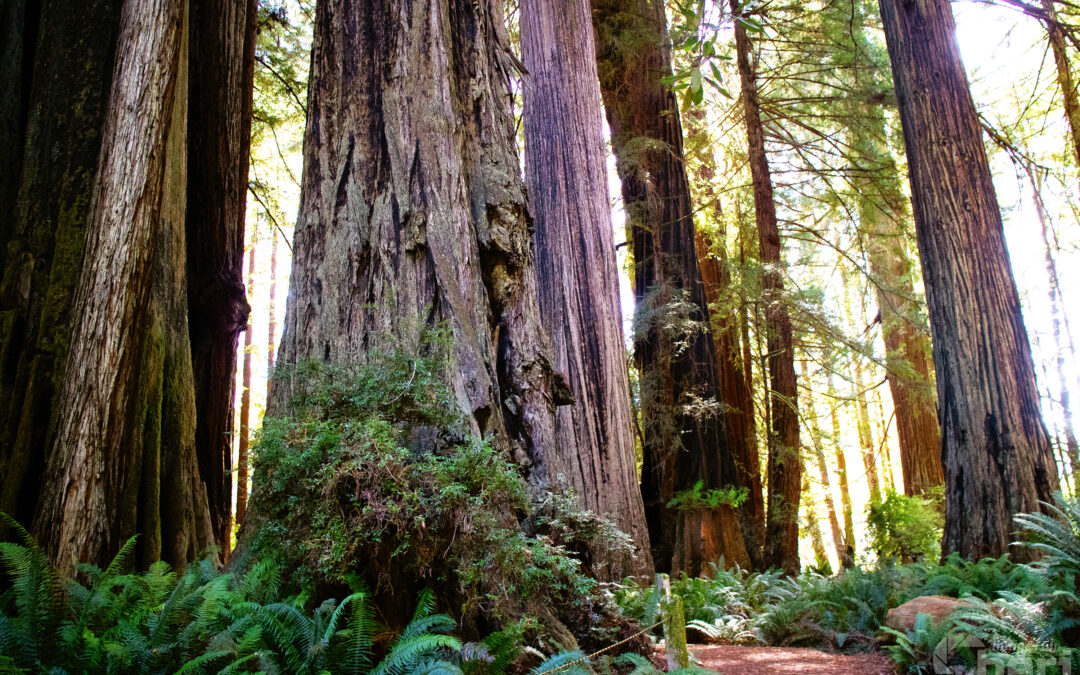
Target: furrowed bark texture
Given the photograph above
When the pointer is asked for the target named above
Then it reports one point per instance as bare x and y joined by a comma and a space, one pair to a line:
49, 155
995, 448
413, 212
222, 63
682, 445
125, 415
577, 277
785, 463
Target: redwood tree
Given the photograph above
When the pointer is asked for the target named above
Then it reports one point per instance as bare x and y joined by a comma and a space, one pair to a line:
577, 277
685, 442
413, 213
785, 463
995, 448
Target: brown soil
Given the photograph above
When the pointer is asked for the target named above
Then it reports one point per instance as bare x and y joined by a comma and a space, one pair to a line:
732, 660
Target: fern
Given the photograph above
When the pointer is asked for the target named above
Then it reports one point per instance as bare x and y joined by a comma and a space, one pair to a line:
561, 662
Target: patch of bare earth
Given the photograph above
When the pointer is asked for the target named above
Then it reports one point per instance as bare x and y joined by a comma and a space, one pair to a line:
732, 660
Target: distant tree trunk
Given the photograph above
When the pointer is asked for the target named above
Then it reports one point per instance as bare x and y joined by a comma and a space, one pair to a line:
577, 276
412, 212
995, 448
49, 152
817, 542
1062, 334
785, 464
271, 307
222, 72
881, 206
734, 392
841, 467
245, 402
866, 435
123, 458
682, 445
1056, 36
823, 468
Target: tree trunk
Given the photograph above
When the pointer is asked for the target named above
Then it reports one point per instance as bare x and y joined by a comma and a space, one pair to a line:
817, 542
50, 149
123, 458
785, 464
866, 436
995, 448
245, 402
577, 277
734, 390
682, 445
222, 72
841, 473
412, 213
271, 307
823, 469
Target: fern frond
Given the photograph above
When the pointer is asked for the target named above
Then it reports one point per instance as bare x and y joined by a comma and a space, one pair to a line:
406, 653
562, 660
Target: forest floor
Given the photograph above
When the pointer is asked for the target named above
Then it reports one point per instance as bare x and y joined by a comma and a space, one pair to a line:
733, 660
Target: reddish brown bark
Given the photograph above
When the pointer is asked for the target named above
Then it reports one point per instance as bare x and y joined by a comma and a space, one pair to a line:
576, 272
995, 448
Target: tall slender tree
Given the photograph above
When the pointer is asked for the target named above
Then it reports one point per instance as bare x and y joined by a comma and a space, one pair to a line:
785, 463
577, 277
995, 448
685, 442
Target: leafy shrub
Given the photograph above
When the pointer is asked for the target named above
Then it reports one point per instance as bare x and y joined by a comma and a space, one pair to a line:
374, 471
698, 497
906, 528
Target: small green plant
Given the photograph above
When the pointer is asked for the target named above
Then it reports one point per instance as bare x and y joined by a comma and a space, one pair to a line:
698, 498
905, 528
914, 649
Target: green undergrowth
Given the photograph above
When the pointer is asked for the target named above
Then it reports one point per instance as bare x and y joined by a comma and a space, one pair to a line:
373, 474
1025, 616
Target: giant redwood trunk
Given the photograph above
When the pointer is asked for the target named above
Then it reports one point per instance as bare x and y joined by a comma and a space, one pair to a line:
222, 62
125, 407
577, 277
50, 150
685, 442
785, 462
97, 391
413, 213
995, 448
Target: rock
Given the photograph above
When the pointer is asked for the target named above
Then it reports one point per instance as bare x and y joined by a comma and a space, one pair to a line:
939, 607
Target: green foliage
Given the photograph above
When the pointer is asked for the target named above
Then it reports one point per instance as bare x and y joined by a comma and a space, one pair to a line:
914, 649
697, 498
204, 621
375, 470
906, 528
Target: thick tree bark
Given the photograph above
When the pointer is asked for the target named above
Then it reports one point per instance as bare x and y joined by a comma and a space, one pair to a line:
123, 458
412, 213
995, 448
271, 307
222, 66
577, 277
682, 445
785, 463
50, 155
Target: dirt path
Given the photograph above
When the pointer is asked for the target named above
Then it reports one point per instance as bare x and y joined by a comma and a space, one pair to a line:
731, 660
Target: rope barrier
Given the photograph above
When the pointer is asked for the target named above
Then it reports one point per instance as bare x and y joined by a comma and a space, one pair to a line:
601, 651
